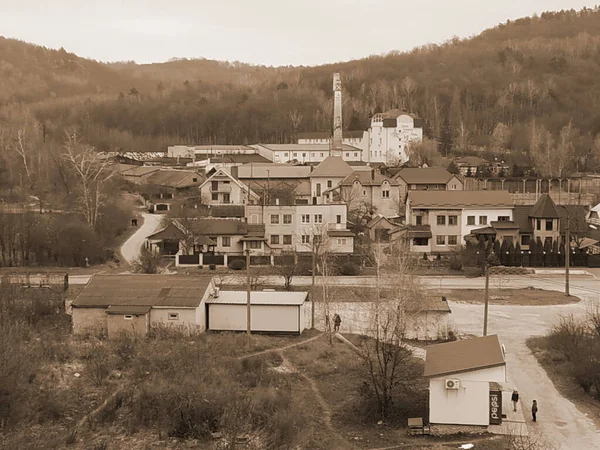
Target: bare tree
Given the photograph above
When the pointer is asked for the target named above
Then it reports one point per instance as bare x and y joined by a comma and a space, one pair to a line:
92, 172
288, 267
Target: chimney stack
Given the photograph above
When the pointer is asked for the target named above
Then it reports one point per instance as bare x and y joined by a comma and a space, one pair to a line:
337, 138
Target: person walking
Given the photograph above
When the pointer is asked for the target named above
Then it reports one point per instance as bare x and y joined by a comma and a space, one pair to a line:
515, 399
534, 410
337, 320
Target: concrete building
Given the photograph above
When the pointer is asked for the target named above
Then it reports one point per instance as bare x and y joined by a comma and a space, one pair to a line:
390, 134
271, 312
223, 189
326, 177
305, 153
134, 303
465, 382
352, 138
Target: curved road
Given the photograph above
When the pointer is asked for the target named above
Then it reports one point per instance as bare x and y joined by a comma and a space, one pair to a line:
132, 246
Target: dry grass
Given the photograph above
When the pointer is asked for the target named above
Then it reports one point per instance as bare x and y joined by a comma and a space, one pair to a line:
517, 297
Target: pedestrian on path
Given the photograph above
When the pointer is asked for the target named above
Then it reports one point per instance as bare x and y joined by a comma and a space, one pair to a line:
534, 410
337, 320
515, 399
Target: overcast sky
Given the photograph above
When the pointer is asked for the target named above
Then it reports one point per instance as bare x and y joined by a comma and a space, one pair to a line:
271, 32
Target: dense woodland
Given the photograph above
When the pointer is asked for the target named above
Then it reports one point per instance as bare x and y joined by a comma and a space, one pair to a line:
525, 92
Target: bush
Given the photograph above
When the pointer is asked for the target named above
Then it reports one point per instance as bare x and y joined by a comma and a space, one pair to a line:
212, 267
349, 269
148, 262
455, 263
236, 264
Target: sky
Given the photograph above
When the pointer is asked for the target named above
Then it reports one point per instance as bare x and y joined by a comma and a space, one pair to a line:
267, 32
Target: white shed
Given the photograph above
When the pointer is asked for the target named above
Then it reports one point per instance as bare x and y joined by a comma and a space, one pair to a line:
274, 312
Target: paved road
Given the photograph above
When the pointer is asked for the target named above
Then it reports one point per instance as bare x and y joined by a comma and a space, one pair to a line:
132, 246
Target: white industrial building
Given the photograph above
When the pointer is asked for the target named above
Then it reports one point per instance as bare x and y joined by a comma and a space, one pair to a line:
271, 312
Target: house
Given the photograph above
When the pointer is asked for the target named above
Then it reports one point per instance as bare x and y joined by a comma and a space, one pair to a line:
426, 179
468, 165
276, 183
117, 303
305, 153
430, 319
451, 215
326, 177
370, 187
465, 380
161, 187
379, 228
207, 240
137, 174
221, 188
390, 134
270, 312
292, 227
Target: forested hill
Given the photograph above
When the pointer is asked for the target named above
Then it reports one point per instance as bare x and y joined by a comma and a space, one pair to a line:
478, 92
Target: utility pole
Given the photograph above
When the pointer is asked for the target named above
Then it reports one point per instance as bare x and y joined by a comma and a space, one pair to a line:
248, 290
486, 299
567, 256
312, 289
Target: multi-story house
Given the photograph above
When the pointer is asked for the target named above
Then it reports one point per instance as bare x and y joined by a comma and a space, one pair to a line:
223, 189
427, 179
326, 177
390, 134
380, 193
449, 216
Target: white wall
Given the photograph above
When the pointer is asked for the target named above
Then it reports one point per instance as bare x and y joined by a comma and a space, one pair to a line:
389, 144
274, 318
467, 405
492, 215
187, 316
329, 215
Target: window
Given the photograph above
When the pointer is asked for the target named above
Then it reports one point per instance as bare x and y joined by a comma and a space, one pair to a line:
317, 239
470, 220
338, 218
214, 196
274, 219
322, 155
287, 219
452, 220
329, 183
482, 220
347, 155
440, 240
503, 218
306, 238
287, 239
525, 240
419, 220
538, 225
452, 240
173, 316
226, 198
304, 155
226, 182
355, 155
305, 218
549, 225
214, 185
364, 193
128, 317
275, 239
421, 241
341, 241
318, 189
295, 155
194, 179
385, 194
318, 218
453, 187
254, 244
441, 220
226, 241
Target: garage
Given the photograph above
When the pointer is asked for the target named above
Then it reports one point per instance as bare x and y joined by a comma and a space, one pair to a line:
271, 312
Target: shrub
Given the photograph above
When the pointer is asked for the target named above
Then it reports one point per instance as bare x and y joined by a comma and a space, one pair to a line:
236, 264
148, 262
455, 263
212, 267
349, 269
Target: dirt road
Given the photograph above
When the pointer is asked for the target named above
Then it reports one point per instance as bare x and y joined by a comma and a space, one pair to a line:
132, 246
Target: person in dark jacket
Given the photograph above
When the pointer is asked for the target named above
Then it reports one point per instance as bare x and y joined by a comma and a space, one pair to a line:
337, 320
534, 410
515, 399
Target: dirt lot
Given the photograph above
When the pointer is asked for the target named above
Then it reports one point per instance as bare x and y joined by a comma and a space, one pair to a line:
517, 297
556, 368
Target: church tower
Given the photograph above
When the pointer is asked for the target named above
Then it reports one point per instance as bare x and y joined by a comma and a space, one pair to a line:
337, 138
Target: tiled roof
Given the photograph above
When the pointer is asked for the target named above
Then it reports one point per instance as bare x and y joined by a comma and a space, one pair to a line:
367, 178
139, 171
332, 166
425, 175
222, 227
143, 290
460, 199
265, 171
259, 298
464, 356
544, 208
175, 178
576, 214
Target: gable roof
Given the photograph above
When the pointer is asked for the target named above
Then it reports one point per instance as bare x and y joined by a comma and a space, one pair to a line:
222, 173
139, 171
544, 208
367, 178
460, 199
143, 290
222, 227
424, 175
375, 220
174, 178
266, 171
332, 166
464, 356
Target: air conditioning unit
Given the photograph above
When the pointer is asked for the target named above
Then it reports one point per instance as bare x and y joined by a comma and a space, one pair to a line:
452, 383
